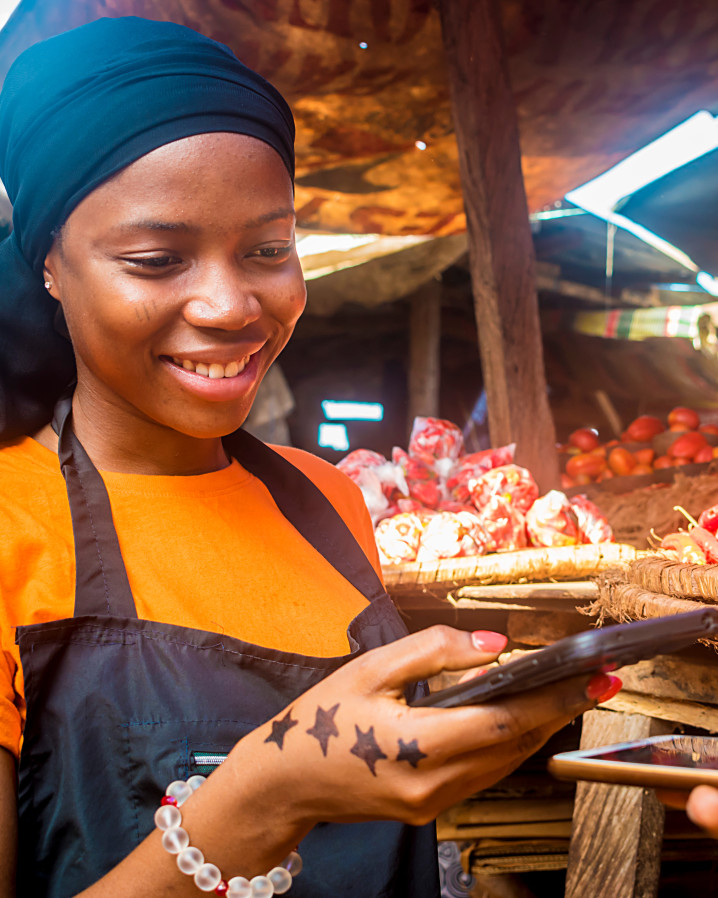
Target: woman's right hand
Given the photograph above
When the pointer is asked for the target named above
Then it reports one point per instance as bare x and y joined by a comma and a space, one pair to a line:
351, 749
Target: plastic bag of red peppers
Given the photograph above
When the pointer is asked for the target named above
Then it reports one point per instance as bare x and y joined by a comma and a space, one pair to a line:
433, 501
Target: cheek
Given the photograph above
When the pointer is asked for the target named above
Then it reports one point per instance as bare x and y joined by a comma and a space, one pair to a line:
99, 319
289, 297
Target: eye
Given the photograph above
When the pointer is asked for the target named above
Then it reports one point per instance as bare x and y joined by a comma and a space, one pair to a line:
273, 253
153, 261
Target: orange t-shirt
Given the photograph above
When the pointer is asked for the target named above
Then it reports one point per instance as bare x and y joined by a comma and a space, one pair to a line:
210, 551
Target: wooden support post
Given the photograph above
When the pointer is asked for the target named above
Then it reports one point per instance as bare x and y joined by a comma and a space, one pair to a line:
424, 351
500, 245
617, 832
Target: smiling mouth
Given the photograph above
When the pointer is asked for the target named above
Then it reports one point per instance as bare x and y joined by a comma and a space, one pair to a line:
215, 370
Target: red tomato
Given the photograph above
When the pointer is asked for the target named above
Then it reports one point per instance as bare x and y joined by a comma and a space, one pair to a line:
567, 482
687, 445
621, 461
585, 463
645, 456
703, 455
586, 438
663, 461
606, 475
679, 462
642, 469
709, 428
685, 416
644, 428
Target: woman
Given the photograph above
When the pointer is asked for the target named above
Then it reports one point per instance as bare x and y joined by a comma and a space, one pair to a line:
204, 595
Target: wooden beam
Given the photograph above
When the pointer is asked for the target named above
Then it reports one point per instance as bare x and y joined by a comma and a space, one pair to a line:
571, 592
615, 849
675, 677
500, 886
424, 352
692, 714
501, 250
545, 627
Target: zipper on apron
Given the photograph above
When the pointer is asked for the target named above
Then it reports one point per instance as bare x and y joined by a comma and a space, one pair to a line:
205, 762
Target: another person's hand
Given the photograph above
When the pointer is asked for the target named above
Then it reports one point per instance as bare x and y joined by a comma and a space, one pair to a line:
702, 808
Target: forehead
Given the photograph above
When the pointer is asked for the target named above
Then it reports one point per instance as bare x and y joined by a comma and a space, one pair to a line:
205, 175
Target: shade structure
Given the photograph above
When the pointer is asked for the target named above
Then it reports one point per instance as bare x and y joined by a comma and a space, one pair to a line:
376, 151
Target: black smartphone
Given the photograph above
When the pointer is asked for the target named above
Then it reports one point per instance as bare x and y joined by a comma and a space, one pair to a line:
660, 762
595, 651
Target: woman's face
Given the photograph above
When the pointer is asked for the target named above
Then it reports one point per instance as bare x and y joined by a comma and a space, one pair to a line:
180, 283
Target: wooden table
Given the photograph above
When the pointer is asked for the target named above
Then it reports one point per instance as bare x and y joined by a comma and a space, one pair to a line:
610, 839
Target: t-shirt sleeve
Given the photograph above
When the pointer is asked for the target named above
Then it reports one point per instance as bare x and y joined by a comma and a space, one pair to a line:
10, 720
344, 495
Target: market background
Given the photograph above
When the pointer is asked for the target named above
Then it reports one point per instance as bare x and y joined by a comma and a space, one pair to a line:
393, 317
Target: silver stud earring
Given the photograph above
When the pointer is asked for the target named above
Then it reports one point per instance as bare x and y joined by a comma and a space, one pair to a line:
47, 285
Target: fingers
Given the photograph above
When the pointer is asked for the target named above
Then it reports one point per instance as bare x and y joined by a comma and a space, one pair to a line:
702, 808
451, 732
460, 777
672, 799
427, 653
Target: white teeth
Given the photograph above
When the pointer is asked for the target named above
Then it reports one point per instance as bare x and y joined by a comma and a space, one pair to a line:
214, 370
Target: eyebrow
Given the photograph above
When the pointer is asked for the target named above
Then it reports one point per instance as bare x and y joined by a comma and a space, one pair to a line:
149, 224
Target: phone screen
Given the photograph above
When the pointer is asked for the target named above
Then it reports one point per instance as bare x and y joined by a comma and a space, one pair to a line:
669, 762
696, 752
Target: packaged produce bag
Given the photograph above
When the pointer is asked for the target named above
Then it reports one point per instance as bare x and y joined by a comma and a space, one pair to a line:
592, 523
437, 443
469, 468
513, 484
551, 521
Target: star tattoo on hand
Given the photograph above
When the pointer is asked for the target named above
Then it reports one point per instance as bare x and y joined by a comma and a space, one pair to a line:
410, 751
324, 727
367, 749
280, 728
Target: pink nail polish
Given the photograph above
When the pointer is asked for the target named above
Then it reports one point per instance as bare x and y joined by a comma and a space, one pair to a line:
488, 641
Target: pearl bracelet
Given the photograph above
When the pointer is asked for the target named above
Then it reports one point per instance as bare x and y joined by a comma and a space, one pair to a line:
207, 877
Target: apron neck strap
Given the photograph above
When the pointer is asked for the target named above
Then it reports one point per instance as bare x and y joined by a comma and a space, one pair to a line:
309, 511
101, 584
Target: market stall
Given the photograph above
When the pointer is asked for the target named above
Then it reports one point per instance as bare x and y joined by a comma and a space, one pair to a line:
582, 88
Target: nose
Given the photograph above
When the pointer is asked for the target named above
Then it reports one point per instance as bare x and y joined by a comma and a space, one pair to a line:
222, 297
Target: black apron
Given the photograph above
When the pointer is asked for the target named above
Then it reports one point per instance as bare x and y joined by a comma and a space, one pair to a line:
118, 707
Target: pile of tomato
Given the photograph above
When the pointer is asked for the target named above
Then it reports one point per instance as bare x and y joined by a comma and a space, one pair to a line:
645, 446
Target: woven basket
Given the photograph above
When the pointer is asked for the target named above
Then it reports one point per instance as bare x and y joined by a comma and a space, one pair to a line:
622, 602
657, 574
522, 566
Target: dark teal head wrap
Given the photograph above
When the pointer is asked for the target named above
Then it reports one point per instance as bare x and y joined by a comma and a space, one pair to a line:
74, 110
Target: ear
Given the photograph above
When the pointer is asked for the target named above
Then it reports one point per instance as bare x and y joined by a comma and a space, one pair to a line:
49, 273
